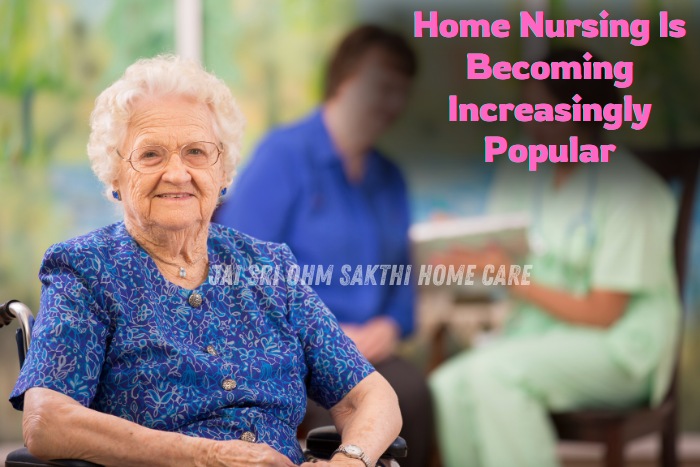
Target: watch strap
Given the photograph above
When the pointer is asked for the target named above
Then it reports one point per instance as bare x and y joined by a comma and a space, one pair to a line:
342, 449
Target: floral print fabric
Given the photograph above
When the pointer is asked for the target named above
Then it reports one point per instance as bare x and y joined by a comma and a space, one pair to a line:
116, 336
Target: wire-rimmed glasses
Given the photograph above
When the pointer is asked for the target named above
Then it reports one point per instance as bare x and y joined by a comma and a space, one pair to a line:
154, 158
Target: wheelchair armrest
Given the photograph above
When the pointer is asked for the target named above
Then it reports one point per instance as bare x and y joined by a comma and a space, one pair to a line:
17, 310
22, 458
322, 442
73, 463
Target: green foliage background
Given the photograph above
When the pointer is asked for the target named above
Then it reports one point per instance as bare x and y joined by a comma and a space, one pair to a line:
55, 58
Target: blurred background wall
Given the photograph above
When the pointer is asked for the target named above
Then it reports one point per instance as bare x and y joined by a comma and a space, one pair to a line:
57, 55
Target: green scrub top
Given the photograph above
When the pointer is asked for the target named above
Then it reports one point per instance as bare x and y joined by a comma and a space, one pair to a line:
609, 226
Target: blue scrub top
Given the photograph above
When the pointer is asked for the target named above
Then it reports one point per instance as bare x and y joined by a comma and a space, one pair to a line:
294, 190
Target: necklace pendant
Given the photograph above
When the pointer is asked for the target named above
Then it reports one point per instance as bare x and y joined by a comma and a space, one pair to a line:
183, 273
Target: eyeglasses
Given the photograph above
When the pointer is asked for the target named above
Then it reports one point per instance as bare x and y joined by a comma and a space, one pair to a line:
152, 159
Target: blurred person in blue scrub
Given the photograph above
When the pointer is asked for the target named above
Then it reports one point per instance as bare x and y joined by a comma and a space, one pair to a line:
596, 327
320, 186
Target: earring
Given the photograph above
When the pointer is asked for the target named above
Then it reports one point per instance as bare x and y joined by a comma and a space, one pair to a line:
116, 195
224, 191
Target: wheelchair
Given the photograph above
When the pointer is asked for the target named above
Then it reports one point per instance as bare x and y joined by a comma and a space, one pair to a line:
320, 442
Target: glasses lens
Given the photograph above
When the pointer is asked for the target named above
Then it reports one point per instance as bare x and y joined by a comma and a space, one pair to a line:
199, 154
149, 158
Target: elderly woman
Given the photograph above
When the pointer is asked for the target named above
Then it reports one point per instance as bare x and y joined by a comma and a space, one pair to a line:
142, 354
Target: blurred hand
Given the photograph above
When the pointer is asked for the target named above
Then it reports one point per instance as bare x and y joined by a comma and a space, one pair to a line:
493, 254
243, 454
376, 340
440, 216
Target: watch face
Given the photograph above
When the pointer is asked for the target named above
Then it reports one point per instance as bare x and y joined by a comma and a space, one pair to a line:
353, 450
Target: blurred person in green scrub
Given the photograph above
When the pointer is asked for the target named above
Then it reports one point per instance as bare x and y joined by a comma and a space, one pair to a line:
596, 327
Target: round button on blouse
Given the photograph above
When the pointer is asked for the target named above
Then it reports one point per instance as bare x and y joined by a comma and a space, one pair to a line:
211, 350
248, 436
195, 299
228, 384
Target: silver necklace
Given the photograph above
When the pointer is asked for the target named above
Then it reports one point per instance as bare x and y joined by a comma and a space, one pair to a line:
182, 273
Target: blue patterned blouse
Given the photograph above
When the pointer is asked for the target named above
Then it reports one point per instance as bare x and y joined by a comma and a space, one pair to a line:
116, 336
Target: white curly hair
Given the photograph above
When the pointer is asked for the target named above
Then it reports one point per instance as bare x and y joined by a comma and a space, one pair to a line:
160, 76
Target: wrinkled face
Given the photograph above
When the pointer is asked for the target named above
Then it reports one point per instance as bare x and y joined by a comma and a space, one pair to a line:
376, 93
177, 197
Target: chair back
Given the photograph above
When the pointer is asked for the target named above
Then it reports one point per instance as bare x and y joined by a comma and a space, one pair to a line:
679, 168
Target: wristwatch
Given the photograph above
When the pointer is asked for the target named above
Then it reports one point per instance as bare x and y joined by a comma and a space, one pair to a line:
354, 452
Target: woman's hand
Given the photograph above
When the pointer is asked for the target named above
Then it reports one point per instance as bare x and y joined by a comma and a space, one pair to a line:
243, 454
376, 340
598, 308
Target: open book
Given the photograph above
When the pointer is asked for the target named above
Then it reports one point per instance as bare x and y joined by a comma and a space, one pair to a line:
506, 230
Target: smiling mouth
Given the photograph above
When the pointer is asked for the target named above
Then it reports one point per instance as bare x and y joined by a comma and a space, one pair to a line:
174, 195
